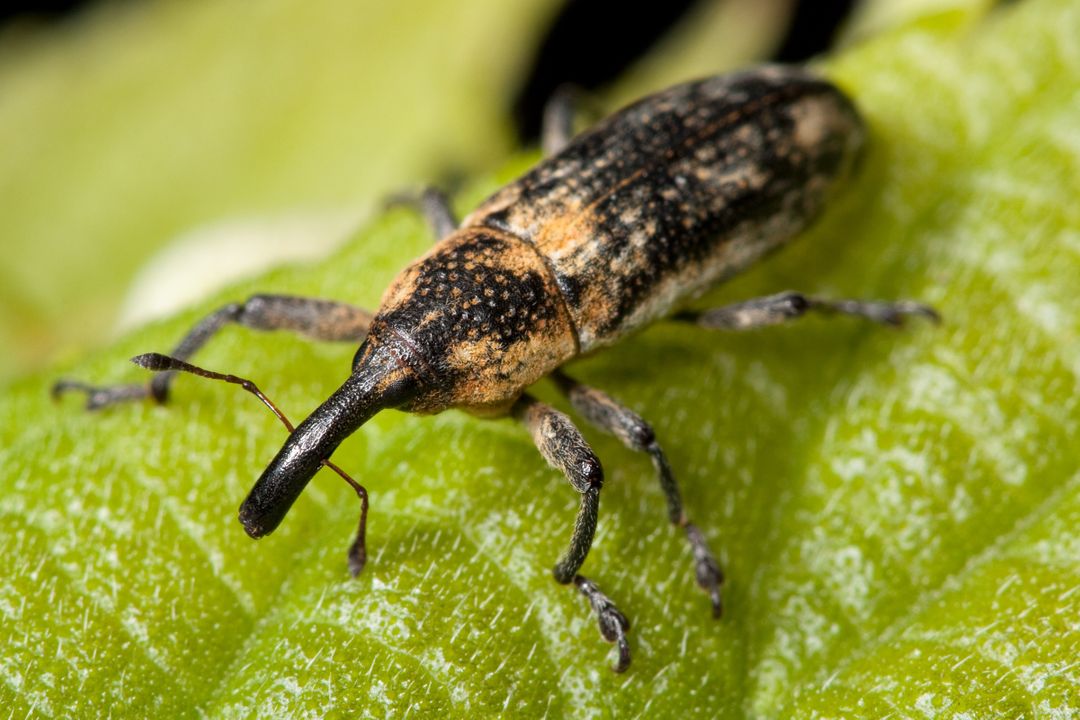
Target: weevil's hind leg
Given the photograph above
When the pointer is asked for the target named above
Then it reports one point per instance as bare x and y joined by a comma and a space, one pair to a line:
789, 305
557, 129
433, 205
602, 411
561, 444
312, 317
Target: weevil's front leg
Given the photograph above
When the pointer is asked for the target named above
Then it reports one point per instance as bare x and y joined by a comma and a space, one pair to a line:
561, 444
599, 409
433, 205
311, 317
785, 306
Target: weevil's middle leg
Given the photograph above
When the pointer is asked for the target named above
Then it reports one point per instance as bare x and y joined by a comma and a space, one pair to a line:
557, 129
563, 109
599, 409
562, 445
433, 205
312, 317
556, 132
789, 305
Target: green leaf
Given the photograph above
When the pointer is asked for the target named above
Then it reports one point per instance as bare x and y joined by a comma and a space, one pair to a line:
897, 513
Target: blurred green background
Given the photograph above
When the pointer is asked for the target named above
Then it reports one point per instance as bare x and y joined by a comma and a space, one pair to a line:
242, 134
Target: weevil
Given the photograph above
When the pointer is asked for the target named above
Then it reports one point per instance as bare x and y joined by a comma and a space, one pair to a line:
617, 228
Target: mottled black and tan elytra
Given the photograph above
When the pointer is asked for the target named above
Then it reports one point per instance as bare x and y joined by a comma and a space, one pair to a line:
618, 227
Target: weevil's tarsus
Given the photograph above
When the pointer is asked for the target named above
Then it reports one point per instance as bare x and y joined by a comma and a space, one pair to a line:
789, 305
315, 318
894, 313
613, 624
100, 396
562, 445
605, 413
433, 204
158, 362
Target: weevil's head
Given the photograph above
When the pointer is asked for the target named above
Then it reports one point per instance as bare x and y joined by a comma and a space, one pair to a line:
469, 325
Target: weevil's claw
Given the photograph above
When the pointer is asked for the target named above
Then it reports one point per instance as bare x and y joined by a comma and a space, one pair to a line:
624, 654
706, 569
896, 314
892, 314
613, 624
914, 308
714, 596
59, 388
63, 386
401, 199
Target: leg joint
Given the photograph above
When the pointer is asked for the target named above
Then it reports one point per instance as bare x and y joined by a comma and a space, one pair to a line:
257, 312
254, 304
793, 303
590, 474
564, 575
639, 434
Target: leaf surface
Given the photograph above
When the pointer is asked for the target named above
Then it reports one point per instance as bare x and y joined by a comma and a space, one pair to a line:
896, 512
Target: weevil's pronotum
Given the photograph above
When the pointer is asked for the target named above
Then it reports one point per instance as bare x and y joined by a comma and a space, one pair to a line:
618, 227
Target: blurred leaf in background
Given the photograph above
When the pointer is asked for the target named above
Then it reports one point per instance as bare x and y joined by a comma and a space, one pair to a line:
136, 122
897, 513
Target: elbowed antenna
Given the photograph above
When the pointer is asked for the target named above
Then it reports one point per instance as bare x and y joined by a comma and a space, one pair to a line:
377, 382
380, 380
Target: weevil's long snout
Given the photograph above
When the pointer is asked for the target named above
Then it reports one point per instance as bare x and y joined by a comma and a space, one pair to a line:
379, 380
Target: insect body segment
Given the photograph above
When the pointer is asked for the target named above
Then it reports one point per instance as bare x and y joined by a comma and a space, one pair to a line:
679, 191
627, 221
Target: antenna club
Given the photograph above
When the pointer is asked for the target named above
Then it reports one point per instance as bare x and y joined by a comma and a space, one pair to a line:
154, 361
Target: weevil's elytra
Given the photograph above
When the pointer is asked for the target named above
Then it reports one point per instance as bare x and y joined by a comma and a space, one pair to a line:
616, 229
679, 191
